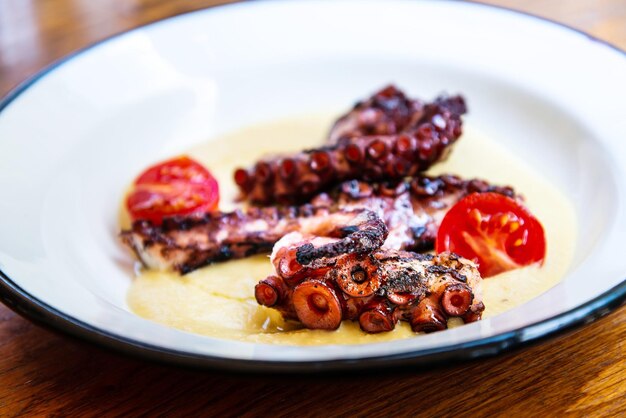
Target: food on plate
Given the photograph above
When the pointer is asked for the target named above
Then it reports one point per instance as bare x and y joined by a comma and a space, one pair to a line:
411, 209
345, 224
495, 231
297, 177
180, 186
376, 289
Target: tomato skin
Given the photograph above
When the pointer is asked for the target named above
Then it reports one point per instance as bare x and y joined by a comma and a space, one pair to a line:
180, 186
181, 168
495, 231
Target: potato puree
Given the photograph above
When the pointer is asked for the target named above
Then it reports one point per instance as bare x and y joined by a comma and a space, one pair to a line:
218, 300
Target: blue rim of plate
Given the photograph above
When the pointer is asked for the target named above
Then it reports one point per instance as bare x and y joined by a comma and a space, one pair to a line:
43, 314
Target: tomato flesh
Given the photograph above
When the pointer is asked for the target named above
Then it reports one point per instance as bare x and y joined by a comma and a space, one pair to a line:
493, 230
180, 186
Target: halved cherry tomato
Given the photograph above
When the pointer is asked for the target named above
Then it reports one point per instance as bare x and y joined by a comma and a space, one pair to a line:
179, 186
493, 230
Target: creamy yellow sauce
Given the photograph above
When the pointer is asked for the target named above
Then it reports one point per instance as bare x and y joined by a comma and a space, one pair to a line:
218, 300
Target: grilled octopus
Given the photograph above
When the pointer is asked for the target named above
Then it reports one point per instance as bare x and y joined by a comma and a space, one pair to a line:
408, 211
358, 204
387, 137
387, 112
377, 288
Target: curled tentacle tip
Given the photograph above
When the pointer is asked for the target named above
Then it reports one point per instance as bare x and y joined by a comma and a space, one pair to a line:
269, 292
265, 294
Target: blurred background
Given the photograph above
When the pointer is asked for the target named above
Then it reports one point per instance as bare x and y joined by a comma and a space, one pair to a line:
33, 33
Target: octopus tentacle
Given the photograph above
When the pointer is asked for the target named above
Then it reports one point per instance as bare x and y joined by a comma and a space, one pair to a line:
187, 243
386, 112
411, 210
377, 289
372, 158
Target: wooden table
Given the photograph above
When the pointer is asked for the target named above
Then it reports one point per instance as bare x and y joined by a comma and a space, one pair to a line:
42, 373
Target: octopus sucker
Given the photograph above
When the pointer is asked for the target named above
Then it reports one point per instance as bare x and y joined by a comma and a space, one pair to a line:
317, 305
377, 316
355, 216
456, 299
428, 317
388, 137
422, 289
270, 291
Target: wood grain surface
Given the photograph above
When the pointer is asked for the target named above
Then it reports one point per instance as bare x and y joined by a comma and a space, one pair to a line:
44, 374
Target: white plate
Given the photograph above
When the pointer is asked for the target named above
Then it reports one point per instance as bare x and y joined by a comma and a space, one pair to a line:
71, 138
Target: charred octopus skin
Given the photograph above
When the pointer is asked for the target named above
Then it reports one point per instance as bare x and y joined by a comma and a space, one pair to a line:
402, 139
387, 112
184, 244
377, 289
411, 210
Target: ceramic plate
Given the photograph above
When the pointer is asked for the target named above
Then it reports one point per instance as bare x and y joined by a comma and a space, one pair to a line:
73, 137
